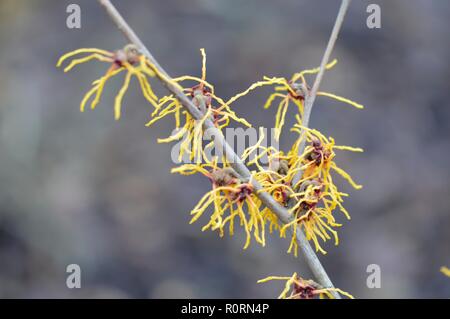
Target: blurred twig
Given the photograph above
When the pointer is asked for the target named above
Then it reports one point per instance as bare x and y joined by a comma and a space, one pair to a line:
237, 164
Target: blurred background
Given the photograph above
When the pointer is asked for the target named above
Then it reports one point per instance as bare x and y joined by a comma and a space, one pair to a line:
82, 188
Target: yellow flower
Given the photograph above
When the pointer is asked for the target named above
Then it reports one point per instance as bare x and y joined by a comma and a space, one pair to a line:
230, 198
127, 59
294, 91
317, 157
221, 114
276, 178
316, 197
313, 213
191, 132
203, 97
445, 271
299, 288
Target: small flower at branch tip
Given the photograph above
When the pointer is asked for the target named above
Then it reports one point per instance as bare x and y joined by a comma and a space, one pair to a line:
294, 90
128, 59
299, 288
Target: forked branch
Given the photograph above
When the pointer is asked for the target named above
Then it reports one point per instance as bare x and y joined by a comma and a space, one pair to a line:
236, 163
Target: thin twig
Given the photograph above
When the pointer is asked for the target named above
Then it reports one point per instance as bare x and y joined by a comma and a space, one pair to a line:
236, 163
309, 102
311, 96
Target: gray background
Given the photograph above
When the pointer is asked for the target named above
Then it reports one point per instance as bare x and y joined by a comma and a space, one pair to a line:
82, 188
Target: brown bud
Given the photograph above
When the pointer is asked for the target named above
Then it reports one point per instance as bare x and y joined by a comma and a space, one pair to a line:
279, 166
300, 89
224, 176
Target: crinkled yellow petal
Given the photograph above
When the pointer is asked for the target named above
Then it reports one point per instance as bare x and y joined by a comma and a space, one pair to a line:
341, 99
82, 50
119, 97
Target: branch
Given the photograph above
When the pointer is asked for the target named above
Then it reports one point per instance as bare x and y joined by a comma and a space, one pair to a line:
311, 96
281, 212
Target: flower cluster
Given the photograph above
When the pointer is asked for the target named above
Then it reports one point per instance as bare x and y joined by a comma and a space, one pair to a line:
229, 195
317, 196
314, 198
299, 288
300, 179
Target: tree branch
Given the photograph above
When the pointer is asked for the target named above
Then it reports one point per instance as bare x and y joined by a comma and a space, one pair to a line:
281, 212
311, 96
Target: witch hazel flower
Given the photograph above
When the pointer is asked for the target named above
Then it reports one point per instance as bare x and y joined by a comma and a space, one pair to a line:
299, 288
128, 59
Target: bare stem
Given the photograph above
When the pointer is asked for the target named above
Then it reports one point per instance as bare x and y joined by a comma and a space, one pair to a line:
311, 96
237, 164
